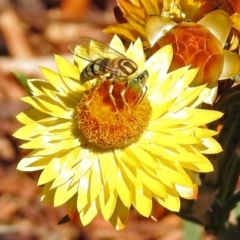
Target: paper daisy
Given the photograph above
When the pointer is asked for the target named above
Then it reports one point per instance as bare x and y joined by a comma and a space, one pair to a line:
98, 158
195, 31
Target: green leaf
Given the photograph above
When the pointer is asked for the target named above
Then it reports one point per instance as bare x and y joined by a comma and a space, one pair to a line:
228, 161
237, 209
23, 81
191, 231
230, 97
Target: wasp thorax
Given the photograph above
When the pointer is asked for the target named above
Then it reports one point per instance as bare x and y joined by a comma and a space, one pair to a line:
108, 126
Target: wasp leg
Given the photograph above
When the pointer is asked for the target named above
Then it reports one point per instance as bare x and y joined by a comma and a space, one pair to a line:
142, 95
95, 87
111, 96
122, 93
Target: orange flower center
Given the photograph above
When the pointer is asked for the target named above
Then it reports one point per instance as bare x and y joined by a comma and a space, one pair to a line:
107, 120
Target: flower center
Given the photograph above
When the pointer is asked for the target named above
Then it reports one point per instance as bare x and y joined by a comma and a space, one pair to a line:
110, 120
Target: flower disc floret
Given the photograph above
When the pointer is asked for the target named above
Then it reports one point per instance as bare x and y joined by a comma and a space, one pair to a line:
108, 126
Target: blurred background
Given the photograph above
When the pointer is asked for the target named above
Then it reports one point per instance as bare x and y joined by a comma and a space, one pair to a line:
30, 32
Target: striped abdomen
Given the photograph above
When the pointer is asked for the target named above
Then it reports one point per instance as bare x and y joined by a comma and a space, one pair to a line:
118, 68
94, 69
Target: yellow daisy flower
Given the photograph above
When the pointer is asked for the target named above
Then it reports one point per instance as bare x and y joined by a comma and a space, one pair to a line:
99, 159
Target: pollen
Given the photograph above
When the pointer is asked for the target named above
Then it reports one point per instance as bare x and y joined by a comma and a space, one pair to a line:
110, 123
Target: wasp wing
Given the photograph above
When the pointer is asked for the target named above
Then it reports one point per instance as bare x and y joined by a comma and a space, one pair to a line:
91, 50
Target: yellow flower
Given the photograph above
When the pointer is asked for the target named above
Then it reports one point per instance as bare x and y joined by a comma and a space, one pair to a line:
132, 14
199, 44
99, 159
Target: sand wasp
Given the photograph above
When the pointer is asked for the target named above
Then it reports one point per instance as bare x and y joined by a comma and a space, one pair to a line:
105, 63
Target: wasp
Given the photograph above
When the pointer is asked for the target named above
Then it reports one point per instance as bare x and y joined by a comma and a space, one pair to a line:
104, 60
138, 84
